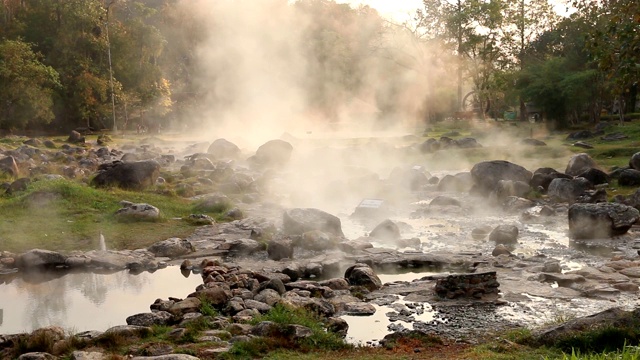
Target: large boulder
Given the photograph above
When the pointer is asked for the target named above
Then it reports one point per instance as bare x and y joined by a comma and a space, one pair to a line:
278, 249
507, 188
171, 248
629, 177
150, 318
37, 258
579, 163
386, 231
363, 275
224, 149
544, 176
602, 220
75, 138
487, 174
634, 162
9, 165
595, 176
504, 234
298, 221
274, 152
132, 175
568, 190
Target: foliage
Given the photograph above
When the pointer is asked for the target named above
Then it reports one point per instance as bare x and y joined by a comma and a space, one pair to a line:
27, 87
628, 353
605, 339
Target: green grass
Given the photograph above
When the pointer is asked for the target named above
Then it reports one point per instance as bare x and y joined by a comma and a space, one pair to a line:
66, 215
320, 340
627, 353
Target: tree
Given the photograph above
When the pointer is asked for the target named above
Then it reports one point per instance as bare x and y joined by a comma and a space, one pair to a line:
614, 43
26, 94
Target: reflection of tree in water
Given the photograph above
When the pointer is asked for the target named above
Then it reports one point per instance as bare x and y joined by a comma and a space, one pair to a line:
46, 302
94, 287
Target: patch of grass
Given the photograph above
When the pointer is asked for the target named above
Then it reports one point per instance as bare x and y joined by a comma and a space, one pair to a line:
70, 216
627, 353
606, 339
207, 309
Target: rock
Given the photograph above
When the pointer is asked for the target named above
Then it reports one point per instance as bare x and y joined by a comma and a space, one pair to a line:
507, 188
582, 134
593, 196
268, 296
579, 163
614, 137
363, 275
200, 219
278, 249
298, 221
460, 182
504, 234
171, 248
243, 246
629, 177
568, 190
224, 149
583, 145
544, 176
37, 356
595, 176
358, 309
19, 185
514, 203
487, 174
137, 211
132, 175
75, 138
8, 164
442, 200
602, 220
190, 304
257, 305
317, 240
386, 231
85, 355
166, 357
533, 142
634, 162
335, 284
40, 258
273, 284
213, 203
337, 325
500, 249
149, 319
274, 152
467, 143
127, 331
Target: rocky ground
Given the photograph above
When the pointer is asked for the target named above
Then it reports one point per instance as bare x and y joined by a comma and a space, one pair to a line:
528, 247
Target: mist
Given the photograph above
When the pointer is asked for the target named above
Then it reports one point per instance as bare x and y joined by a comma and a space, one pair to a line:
311, 67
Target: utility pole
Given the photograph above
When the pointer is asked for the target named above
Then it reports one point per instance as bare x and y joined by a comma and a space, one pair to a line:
113, 98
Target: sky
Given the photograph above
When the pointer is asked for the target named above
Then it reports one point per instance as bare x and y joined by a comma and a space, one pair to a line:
397, 10
404, 10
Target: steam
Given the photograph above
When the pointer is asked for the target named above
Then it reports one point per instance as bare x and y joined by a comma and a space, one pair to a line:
261, 78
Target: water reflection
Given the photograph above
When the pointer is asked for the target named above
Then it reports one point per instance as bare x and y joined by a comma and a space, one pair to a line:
85, 301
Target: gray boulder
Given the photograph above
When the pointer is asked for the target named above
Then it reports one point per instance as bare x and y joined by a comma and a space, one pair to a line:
37, 356
487, 174
75, 138
504, 234
172, 247
363, 275
8, 164
298, 221
40, 258
317, 240
278, 249
579, 163
595, 176
386, 231
150, 318
224, 149
274, 152
634, 162
243, 246
568, 190
132, 175
137, 211
506, 188
629, 177
602, 220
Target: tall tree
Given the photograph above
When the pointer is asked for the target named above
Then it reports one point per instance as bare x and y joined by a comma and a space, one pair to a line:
26, 94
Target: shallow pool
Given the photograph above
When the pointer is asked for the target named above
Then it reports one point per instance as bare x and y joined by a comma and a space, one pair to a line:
85, 301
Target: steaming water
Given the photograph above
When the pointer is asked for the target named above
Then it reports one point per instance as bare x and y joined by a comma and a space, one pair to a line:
86, 301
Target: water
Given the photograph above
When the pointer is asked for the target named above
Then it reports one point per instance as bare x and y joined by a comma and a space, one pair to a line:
85, 301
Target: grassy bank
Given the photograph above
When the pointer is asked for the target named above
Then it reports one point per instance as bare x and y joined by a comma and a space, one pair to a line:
65, 215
